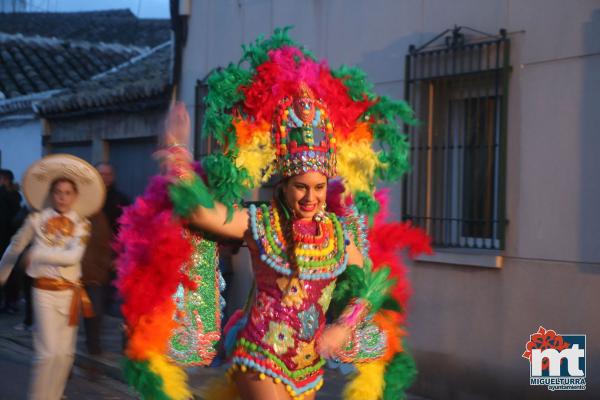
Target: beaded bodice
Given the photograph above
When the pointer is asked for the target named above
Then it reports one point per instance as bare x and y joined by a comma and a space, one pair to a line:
288, 313
319, 256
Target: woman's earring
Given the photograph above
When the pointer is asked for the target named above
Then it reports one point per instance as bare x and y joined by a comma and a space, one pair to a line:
320, 216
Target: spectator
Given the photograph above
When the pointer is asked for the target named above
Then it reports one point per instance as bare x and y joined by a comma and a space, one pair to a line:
113, 208
97, 269
10, 203
115, 199
98, 261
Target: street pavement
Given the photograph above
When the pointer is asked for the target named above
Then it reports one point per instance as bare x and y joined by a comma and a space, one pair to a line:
16, 354
99, 377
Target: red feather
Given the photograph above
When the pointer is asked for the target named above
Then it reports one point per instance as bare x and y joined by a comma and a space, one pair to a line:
279, 77
387, 239
151, 252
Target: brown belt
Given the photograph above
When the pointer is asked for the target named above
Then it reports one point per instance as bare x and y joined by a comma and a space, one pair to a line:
79, 301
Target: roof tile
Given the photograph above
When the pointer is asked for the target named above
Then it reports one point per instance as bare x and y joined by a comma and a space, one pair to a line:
146, 77
112, 26
31, 65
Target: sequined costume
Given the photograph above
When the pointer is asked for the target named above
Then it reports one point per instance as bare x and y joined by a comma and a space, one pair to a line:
289, 309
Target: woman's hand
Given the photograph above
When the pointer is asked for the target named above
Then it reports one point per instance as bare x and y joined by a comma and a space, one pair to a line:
333, 339
175, 158
177, 125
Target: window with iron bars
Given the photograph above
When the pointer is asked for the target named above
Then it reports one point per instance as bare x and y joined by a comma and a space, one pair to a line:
455, 190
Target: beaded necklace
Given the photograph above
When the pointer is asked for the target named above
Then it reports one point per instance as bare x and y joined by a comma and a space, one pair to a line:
319, 256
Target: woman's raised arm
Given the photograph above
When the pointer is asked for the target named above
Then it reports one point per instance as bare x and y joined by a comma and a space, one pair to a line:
214, 220
191, 198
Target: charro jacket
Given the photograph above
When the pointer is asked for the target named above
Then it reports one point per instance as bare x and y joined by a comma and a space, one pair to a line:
57, 243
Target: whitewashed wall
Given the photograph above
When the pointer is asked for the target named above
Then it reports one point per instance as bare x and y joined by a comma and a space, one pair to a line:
20, 145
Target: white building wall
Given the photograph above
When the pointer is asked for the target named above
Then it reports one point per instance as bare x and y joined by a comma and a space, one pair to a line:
20, 146
553, 128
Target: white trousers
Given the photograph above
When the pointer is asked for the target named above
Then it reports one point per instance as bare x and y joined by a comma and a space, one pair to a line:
54, 342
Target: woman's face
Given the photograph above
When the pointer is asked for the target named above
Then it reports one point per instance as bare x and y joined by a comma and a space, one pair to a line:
305, 194
63, 196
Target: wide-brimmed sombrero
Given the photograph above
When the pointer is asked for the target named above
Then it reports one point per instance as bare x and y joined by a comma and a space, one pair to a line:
39, 176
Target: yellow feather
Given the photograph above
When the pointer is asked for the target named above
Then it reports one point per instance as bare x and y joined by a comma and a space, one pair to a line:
174, 378
258, 157
356, 164
368, 382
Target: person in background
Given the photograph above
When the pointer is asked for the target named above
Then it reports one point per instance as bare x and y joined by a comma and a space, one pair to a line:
10, 204
64, 190
97, 269
26, 281
115, 199
112, 210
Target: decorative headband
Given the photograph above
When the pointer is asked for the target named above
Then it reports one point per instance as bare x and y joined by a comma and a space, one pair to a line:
303, 135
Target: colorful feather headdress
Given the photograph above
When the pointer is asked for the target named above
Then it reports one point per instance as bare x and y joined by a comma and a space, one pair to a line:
279, 110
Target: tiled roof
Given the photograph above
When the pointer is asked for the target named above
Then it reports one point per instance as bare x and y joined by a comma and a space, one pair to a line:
22, 103
113, 26
140, 82
31, 65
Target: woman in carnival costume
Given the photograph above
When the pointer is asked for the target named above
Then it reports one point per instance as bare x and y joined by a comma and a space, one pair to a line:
63, 190
319, 241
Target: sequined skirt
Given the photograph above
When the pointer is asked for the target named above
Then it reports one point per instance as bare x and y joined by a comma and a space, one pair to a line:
249, 355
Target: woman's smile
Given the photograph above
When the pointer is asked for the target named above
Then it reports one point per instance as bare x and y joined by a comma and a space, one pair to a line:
307, 207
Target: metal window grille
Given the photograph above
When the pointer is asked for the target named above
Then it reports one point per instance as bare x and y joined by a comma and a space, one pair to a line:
459, 92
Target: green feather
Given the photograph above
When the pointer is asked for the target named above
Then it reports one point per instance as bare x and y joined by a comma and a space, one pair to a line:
355, 79
223, 95
389, 110
400, 373
258, 52
227, 182
389, 303
347, 287
376, 286
366, 205
363, 283
148, 384
394, 144
187, 195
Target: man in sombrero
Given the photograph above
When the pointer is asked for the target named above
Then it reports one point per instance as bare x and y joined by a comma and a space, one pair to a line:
63, 190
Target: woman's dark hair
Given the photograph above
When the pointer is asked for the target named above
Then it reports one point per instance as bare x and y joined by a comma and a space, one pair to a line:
287, 225
56, 181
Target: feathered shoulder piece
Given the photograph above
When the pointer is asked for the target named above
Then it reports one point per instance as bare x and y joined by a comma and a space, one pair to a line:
170, 284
